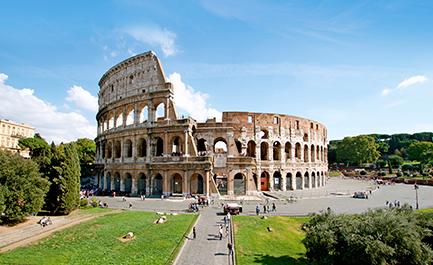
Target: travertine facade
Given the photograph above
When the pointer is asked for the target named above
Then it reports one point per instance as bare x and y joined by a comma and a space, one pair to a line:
11, 132
144, 148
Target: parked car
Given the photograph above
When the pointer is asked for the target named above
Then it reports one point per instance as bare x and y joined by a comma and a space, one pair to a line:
232, 208
360, 195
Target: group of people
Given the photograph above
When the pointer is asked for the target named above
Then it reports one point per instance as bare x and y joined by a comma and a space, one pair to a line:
45, 221
266, 208
395, 204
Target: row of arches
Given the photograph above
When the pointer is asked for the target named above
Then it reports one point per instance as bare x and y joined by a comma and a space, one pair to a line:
293, 181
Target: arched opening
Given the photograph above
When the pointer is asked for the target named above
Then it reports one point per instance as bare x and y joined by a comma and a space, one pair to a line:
312, 153
176, 184
144, 113
117, 149
289, 181
142, 147
238, 146
221, 183
264, 134
128, 148
130, 118
111, 123
306, 180
299, 181
128, 183
298, 151
160, 111
251, 149
322, 153
318, 179
159, 150
277, 151
318, 153
288, 150
141, 187
197, 184
277, 180
157, 185
313, 180
264, 181
116, 182
264, 147
255, 181
305, 138
110, 150
119, 120
239, 184
201, 147
176, 146
220, 146
104, 150
306, 153
108, 181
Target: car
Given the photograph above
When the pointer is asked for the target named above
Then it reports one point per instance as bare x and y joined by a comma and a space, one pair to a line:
360, 195
232, 208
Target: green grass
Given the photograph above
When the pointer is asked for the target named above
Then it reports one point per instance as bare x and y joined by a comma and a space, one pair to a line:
427, 210
255, 245
335, 173
97, 241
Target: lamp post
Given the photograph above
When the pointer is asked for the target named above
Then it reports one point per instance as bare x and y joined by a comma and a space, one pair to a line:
416, 194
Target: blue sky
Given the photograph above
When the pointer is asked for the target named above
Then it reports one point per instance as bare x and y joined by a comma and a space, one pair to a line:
357, 66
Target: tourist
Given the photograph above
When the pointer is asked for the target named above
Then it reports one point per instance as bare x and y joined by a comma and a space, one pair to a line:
228, 217
221, 233
193, 233
274, 208
130, 205
225, 219
123, 198
230, 248
264, 209
227, 230
257, 210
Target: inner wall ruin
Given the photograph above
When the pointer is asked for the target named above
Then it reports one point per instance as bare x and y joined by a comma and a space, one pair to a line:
144, 148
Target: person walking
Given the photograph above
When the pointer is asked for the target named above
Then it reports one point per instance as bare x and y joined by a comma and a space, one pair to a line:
257, 210
230, 248
274, 208
264, 208
194, 233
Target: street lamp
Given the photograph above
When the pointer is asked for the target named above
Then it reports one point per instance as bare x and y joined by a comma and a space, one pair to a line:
416, 194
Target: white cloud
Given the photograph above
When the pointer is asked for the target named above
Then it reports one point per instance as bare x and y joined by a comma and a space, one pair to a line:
21, 105
163, 38
386, 91
192, 102
82, 98
413, 80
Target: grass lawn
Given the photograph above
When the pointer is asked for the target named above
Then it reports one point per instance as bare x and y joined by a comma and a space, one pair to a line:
255, 245
426, 210
97, 242
335, 173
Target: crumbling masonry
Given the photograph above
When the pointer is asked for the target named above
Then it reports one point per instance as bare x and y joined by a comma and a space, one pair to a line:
143, 147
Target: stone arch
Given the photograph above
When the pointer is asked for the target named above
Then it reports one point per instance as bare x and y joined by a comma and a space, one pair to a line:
288, 150
264, 148
318, 179
176, 145
160, 111
264, 181
299, 181
176, 183
306, 153
220, 145
251, 149
109, 150
157, 185
197, 184
239, 184
141, 185
264, 134
108, 181
277, 180
298, 151
144, 114
238, 147
130, 117
159, 146
201, 147
289, 181
128, 183
127, 148
119, 120
306, 180
318, 157
313, 153
313, 179
111, 122
117, 149
305, 138
276, 151
116, 182
322, 153
142, 147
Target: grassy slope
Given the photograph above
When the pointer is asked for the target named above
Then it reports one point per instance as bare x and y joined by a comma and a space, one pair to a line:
96, 242
255, 245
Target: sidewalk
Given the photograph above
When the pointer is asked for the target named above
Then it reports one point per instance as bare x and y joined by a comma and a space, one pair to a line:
207, 248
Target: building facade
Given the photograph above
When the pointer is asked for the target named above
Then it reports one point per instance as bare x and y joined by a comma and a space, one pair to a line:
11, 132
143, 147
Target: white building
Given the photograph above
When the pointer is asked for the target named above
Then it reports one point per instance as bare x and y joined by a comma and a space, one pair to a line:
11, 132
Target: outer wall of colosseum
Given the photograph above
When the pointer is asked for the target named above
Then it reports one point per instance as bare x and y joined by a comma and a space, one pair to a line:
144, 148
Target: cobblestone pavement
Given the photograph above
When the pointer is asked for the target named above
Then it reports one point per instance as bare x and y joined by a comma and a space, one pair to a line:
207, 248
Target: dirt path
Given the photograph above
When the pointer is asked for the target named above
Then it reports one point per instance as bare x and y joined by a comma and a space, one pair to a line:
30, 232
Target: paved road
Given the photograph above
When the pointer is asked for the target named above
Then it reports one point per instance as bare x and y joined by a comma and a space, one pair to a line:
207, 248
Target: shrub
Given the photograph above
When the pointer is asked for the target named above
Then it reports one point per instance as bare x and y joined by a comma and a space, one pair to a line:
94, 202
399, 174
84, 202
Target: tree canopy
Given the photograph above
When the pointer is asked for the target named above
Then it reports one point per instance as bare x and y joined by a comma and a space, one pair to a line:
357, 150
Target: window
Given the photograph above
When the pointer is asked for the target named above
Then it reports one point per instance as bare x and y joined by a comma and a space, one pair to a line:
276, 120
317, 126
312, 125
297, 125
250, 119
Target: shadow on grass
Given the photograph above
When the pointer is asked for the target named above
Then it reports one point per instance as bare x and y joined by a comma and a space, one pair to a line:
282, 260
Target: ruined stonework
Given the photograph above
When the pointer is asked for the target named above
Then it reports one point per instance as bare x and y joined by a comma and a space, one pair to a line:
143, 147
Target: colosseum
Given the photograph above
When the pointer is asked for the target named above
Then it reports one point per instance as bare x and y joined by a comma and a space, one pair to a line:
145, 148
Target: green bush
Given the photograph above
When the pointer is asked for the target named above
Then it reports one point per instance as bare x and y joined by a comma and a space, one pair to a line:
399, 174
94, 202
396, 236
84, 202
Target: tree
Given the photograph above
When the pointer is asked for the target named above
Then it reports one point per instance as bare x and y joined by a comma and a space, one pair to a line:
395, 161
420, 151
37, 145
22, 187
357, 150
381, 236
63, 196
86, 150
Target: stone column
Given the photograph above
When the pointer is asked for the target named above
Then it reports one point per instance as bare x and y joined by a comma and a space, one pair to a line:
206, 183
149, 150
124, 117
134, 187
294, 180
150, 112
259, 180
186, 152
283, 154
283, 180
229, 141
136, 115
310, 181
230, 185
185, 188
166, 190
292, 153
271, 180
